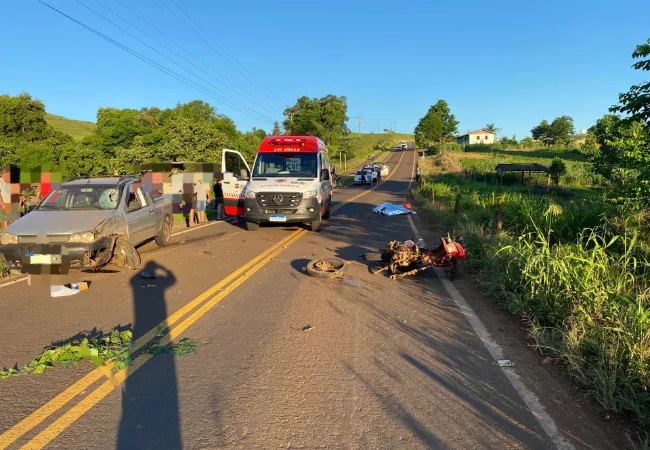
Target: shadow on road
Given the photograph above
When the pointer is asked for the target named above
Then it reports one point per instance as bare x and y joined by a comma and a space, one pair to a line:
150, 416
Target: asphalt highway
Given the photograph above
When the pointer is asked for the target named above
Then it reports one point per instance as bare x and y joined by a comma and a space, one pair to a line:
284, 360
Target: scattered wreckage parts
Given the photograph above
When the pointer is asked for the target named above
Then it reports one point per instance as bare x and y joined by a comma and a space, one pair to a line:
405, 259
326, 268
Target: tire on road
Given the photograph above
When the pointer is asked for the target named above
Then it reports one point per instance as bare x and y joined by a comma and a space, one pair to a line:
334, 268
164, 236
125, 254
252, 226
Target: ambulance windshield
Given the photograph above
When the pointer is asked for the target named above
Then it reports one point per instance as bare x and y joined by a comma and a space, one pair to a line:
302, 165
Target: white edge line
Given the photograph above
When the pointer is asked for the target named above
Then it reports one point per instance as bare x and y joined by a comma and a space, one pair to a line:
25, 278
530, 399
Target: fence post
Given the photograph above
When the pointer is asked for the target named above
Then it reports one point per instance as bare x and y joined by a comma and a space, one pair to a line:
498, 220
457, 205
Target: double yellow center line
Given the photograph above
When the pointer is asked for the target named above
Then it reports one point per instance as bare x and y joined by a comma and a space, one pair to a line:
221, 289
196, 308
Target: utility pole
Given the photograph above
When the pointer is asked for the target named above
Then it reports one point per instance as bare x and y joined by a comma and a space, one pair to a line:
360, 123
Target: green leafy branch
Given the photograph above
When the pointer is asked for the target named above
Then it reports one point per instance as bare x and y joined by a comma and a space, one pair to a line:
114, 347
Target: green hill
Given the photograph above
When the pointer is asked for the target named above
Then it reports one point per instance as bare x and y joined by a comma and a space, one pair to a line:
75, 128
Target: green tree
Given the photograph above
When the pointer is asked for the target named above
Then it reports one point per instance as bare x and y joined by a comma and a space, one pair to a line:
193, 141
325, 117
437, 125
276, 129
636, 101
623, 154
491, 128
560, 131
26, 138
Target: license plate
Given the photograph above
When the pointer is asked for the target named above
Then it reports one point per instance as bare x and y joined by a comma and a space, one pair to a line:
45, 259
278, 218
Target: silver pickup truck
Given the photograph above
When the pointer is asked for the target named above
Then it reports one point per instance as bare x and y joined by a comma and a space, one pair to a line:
88, 223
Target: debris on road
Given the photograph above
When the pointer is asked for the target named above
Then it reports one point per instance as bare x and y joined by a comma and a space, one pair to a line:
326, 268
114, 347
505, 363
404, 259
307, 328
147, 275
184, 347
65, 290
390, 209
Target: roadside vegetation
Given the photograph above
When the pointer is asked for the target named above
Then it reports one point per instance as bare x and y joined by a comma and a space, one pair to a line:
568, 252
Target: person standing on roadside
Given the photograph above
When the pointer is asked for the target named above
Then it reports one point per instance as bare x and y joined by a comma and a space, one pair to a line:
218, 197
202, 192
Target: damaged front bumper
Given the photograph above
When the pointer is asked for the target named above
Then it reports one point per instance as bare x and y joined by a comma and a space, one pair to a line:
67, 255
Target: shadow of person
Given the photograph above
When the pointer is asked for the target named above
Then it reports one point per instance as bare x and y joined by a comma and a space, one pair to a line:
150, 416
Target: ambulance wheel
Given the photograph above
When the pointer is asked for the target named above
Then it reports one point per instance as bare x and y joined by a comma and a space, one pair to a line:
317, 224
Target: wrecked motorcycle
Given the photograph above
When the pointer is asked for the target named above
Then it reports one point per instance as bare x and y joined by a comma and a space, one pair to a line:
404, 259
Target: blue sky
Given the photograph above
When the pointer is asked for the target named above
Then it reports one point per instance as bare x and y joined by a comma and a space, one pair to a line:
512, 63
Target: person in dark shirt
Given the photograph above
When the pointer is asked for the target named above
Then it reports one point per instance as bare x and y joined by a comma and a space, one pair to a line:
218, 197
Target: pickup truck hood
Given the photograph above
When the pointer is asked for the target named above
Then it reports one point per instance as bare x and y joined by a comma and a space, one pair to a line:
282, 185
58, 222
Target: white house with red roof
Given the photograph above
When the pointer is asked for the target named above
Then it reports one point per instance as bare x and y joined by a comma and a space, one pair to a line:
481, 136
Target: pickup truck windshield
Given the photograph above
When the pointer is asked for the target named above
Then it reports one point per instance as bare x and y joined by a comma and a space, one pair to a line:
286, 165
82, 197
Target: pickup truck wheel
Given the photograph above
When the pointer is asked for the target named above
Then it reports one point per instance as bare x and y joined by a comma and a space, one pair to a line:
125, 254
164, 236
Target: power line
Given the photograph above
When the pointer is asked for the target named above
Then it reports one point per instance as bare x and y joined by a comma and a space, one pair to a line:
147, 60
251, 77
214, 72
233, 100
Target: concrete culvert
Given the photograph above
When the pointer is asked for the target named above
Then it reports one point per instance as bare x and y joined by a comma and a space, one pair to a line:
326, 268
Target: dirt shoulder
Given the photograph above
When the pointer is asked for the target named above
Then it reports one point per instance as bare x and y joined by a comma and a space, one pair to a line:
566, 402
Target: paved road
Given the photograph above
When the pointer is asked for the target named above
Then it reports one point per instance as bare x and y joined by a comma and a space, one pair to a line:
382, 364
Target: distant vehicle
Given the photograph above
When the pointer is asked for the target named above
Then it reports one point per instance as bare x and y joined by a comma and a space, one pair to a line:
373, 172
87, 223
403, 145
363, 176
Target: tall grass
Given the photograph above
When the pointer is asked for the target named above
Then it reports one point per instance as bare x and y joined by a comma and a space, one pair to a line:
574, 266
587, 304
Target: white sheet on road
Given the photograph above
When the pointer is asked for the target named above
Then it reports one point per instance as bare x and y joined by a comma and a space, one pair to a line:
389, 209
